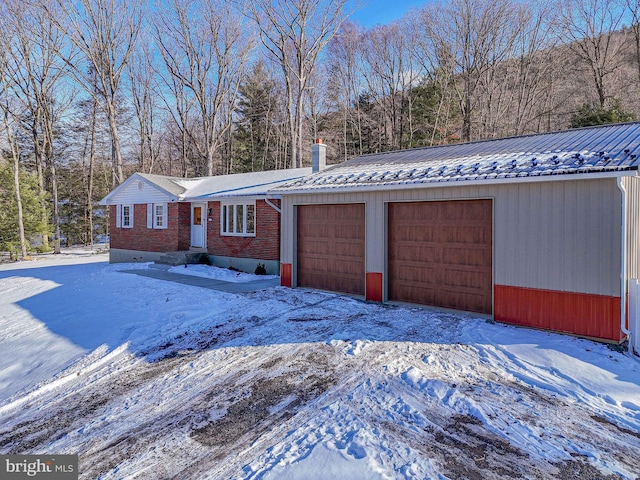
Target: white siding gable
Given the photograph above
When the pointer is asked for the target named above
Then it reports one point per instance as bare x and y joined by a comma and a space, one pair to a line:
136, 191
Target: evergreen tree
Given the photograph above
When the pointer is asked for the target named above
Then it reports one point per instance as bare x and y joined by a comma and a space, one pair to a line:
31, 197
593, 114
427, 103
259, 111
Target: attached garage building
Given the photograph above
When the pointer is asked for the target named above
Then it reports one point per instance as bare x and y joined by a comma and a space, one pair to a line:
538, 231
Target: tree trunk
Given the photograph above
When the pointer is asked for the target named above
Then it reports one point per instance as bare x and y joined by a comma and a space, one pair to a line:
16, 186
466, 113
38, 158
298, 137
92, 133
47, 149
116, 154
56, 213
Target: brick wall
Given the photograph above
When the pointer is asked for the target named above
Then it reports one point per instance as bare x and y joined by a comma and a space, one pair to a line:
151, 239
265, 245
184, 226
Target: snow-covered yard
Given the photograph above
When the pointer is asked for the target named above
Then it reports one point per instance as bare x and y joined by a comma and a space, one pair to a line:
150, 379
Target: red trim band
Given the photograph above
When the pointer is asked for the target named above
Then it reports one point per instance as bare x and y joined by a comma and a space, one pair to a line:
374, 287
583, 314
286, 274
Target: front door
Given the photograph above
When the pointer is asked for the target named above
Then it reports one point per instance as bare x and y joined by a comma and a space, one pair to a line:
198, 225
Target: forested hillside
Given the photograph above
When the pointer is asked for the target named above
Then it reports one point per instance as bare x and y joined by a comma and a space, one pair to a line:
94, 90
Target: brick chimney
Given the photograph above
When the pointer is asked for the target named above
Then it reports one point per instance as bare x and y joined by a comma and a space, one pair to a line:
318, 156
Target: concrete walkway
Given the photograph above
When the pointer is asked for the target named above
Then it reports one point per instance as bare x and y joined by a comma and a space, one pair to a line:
210, 283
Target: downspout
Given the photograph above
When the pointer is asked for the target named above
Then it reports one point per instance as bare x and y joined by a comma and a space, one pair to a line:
272, 205
623, 266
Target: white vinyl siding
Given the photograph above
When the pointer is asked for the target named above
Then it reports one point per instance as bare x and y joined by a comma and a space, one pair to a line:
238, 219
156, 215
139, 192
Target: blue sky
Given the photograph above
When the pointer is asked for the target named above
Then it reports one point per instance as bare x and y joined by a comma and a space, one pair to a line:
373, 12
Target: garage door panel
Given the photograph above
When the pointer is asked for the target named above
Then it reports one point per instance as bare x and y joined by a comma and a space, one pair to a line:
348, 231
416, 273
336, 260
410, 251
411, 233
317, 264
346, 250
464, 278
440, 253
455, 298
470, 256
457, 234
347, 268
411, 291
407, 214
317, 231
316, 248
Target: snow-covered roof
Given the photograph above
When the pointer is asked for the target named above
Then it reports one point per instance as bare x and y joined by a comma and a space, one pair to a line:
168, 184
593, 150
135, 189
239, 184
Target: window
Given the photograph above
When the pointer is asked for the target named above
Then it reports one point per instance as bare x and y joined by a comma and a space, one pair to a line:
124, 216
238, 219
156, 215
197, 215
127, 217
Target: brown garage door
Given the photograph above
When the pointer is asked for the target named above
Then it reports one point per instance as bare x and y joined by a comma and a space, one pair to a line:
331, 247
440, 254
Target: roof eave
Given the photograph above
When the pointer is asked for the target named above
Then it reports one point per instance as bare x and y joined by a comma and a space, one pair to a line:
456, 183
222, 197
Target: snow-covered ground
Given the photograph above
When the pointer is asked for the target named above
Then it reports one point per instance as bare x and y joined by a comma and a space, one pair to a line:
215, 273
149, 379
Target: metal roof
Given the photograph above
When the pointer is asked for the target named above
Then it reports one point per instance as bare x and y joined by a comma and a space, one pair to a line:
238, 184
592, 150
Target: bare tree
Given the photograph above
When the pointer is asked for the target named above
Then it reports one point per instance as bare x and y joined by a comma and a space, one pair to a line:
87, 120
9, 125
36, 72
534, 69
105, 33
633, 7
589, 28
179, 104
345, 85
441, 77
466, 39
205, 48
144, 94
388, 67
294, 32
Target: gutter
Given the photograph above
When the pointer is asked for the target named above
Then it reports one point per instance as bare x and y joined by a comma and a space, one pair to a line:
623, 266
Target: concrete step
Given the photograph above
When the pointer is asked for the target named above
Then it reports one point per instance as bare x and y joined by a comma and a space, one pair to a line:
180, 258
